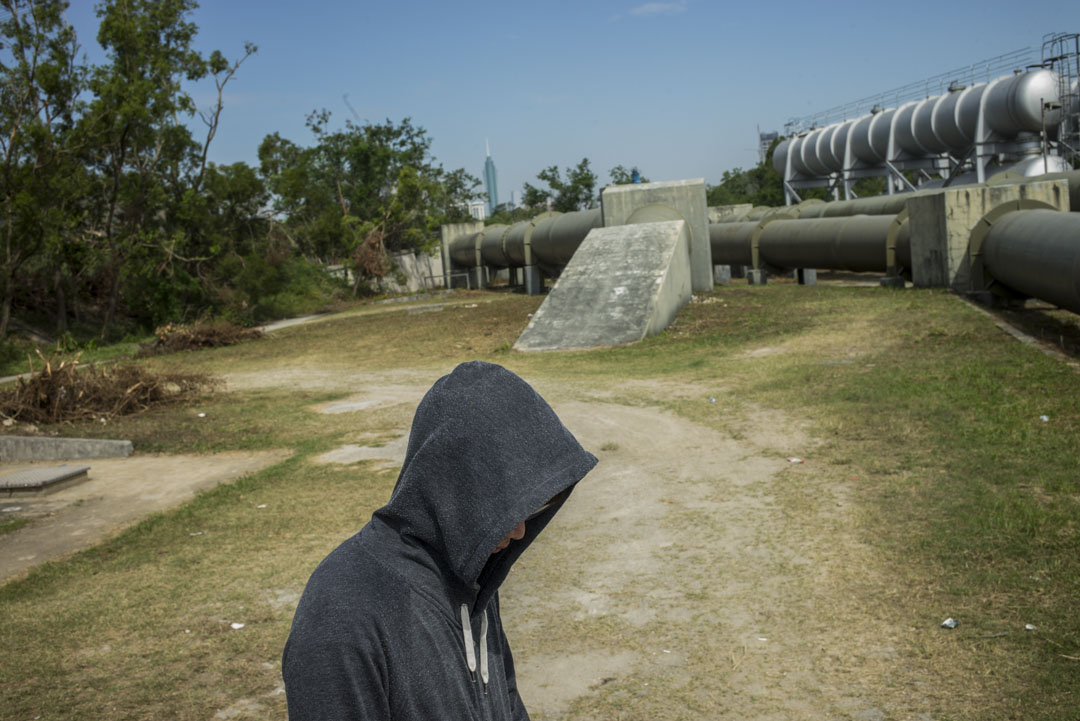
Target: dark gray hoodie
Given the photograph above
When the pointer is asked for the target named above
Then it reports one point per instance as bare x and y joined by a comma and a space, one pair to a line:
401, 621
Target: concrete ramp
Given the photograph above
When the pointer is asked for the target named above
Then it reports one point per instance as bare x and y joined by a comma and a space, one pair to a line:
624, 283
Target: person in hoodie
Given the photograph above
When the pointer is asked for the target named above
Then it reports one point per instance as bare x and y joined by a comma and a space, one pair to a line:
401, 621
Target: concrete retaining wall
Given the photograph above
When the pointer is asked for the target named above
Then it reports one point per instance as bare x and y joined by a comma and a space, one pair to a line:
34, 448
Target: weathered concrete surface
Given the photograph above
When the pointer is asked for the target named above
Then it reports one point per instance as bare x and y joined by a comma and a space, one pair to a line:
41, 481
34, 448
941, 225
687, 197
623, 284
728, 213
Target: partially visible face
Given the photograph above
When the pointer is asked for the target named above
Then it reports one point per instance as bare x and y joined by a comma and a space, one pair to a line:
516, 534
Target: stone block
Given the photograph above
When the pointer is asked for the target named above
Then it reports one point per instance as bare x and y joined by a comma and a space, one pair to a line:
687, 197
34, 448
624, 283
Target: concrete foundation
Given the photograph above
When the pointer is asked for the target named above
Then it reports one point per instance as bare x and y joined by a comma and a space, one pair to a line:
806, 276
33, 448
534, 283
721, 274
623, 284
687, 197
41, 481
756, 277
941, 225
893, 281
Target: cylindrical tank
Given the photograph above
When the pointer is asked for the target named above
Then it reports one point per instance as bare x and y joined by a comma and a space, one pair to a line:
856, 243
879, 134
838, 144
1037, 252
824, 150
814, 155
1015, 105
779, 156
860, 141
555, 239
905, 137
730, 243
923, 124
491, 246
967, 111
947, 121
807, 160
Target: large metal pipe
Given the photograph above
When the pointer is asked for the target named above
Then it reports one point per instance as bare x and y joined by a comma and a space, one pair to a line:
893, 204
856, 243
1037, 252
731, 242
491, 246
463, 249
555, 239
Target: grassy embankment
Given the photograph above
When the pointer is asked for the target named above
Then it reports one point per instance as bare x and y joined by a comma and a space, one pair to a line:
970, 498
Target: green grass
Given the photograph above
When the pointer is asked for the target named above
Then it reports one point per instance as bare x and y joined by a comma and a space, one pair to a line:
971, 501
9, 525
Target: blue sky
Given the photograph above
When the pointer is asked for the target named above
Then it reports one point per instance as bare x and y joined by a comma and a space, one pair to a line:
676, 88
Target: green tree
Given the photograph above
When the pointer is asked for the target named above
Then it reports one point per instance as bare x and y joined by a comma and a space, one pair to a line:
40, 174
362, 191
621, 176
576, 192
145, 157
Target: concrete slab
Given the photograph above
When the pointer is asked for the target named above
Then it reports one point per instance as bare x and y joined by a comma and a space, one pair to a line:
41, 481
687, 197
623, 284
35, 448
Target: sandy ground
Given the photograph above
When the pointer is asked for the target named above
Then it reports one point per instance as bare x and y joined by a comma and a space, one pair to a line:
678, 538
118, 493
682, 545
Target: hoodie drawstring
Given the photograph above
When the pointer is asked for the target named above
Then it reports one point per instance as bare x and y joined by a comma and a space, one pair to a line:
483, 651
470, 651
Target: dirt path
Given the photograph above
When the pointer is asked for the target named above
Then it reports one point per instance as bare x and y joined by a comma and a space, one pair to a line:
119, 492
696, 569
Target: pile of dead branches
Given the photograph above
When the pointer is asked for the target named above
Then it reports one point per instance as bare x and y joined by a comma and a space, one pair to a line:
65, 392
175, 337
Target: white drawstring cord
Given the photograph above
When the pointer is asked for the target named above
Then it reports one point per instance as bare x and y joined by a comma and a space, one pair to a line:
466, 632
484, 651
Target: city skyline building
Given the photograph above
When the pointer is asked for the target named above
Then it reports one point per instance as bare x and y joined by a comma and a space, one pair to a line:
490, 181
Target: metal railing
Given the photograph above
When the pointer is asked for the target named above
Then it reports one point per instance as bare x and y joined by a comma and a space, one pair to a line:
984, 70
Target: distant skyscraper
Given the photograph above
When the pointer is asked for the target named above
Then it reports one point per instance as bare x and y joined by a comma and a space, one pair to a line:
489, 181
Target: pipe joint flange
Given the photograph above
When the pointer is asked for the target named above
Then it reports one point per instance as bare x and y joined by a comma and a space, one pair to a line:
755, 256
892, 263
980, 279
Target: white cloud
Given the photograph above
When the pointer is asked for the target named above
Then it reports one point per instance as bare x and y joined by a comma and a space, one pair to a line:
658, 9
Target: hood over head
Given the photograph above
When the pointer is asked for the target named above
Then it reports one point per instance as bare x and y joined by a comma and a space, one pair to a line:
485, 452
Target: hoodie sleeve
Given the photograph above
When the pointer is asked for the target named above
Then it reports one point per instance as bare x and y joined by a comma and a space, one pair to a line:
331, 681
